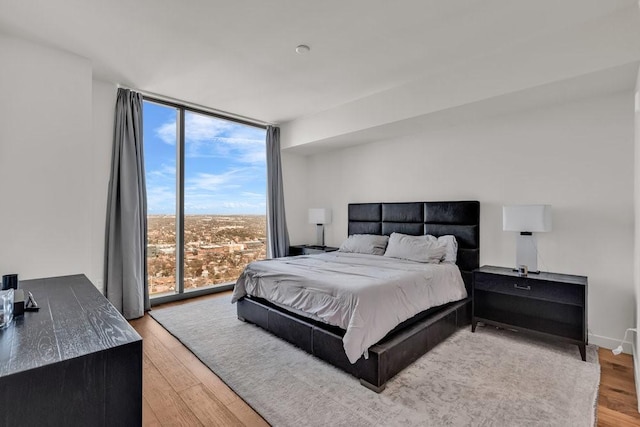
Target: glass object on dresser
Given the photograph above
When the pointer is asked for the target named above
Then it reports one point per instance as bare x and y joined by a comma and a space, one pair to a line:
6, 308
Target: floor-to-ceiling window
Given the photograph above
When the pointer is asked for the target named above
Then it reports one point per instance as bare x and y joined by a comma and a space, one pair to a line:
206, 198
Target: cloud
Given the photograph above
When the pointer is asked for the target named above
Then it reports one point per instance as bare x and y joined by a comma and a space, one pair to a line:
252, 195
202, 128
167, 132
242, 205
161, 199
207, 136
228, 203
210, 182
165, 172
224, 193
198, 128
248, 151
199, 201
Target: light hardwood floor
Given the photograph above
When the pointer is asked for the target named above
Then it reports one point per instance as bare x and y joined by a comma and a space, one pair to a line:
617, 401
179, 390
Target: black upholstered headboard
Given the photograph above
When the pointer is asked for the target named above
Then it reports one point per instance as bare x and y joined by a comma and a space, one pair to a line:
461, 219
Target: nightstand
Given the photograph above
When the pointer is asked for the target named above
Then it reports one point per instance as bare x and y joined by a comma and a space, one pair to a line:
546, 304
309, 249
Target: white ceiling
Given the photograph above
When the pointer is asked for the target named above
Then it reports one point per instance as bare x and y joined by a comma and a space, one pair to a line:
239, 56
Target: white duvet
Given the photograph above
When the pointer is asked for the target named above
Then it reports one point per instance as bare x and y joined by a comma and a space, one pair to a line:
366, 295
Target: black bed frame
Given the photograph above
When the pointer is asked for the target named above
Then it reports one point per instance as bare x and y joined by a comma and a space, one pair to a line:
414, 337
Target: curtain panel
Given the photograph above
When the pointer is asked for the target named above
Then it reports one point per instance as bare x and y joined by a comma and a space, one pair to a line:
277, 234
126, 233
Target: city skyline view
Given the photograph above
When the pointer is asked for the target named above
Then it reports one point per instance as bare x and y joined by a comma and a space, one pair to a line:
225, 165
217, 248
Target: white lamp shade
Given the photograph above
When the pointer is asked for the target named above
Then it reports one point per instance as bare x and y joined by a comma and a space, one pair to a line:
319, 216
533, 218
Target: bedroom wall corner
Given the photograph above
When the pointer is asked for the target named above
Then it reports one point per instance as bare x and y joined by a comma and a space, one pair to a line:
45, 160
636, 258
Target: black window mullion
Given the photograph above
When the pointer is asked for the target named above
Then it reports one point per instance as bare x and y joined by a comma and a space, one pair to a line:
180, 205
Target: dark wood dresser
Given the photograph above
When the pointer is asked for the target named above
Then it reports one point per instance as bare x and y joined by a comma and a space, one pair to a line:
76, 362
548, 304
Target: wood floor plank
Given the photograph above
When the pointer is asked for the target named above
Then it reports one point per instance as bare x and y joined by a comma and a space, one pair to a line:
246, 414
141, 325
214, 388
605, 355
169, 366
199, 370
620, 385
149, 418
610, 418
616, 371
210, 380
620, 388
612, 400
162, 334
168, 406
209, 410
215, 385
617, 398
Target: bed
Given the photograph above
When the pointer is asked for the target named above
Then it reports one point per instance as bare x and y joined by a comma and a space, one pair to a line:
412, 337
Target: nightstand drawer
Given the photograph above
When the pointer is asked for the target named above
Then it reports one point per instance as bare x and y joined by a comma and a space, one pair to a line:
530, 288
309, 249
312, 251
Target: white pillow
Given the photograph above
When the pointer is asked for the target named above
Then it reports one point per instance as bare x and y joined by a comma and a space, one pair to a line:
415, 248
451, 248
365, 244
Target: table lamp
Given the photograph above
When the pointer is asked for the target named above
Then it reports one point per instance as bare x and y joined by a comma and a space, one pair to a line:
320, 217
527, 219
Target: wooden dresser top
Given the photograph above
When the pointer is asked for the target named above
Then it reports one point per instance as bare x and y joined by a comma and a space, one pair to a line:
74, 320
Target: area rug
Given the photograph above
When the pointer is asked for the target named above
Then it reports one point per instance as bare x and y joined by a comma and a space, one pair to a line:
489, 378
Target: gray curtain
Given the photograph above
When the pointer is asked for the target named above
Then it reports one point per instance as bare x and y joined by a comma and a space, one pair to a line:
277, 235
126, 235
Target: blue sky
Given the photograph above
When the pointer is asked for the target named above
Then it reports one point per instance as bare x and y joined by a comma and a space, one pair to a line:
225, 169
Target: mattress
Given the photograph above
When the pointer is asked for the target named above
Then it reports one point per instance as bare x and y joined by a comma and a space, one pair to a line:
366, 295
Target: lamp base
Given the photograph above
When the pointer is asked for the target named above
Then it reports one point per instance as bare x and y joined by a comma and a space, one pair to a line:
528, 272
527, 252
320, 234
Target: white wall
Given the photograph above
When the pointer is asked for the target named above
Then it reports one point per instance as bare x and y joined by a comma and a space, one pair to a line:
104, 101
49, 185
294, 175
577, 156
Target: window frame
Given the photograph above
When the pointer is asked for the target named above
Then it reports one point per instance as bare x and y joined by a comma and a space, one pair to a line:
179, 293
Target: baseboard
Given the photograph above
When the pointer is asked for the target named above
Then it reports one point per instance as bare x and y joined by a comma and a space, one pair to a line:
611, 343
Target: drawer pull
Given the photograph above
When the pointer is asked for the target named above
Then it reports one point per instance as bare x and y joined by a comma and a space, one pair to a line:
524, 288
